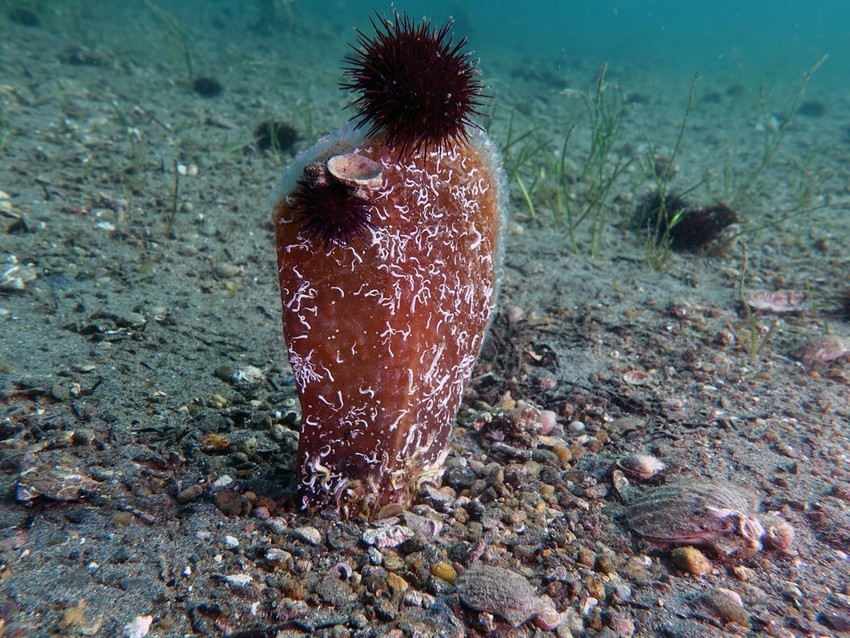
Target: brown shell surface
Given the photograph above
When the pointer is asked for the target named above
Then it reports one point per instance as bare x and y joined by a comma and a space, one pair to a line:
683, 512
498, 591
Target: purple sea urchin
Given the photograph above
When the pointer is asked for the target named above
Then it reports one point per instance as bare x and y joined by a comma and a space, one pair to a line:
416, 85
329, 210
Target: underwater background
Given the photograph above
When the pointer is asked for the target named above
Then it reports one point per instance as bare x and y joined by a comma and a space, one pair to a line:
148, 413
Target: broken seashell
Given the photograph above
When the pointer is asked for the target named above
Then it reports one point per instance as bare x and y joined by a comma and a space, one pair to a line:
822, 350
779, 534
640, 467
356, 171
779, 302
637, 377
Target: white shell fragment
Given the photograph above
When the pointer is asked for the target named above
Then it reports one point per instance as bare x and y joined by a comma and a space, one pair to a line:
139, 628
778, 302
356, 171
387, 536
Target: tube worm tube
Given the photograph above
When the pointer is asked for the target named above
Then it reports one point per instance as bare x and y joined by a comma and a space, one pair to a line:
389, 245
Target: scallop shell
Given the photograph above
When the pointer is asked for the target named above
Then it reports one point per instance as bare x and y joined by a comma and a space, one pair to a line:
499, 591
694, 513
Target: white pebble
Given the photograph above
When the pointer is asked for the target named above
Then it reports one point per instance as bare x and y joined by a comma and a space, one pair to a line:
308, 534
223, 481
240, 580
231, 542
139, 628
576, 426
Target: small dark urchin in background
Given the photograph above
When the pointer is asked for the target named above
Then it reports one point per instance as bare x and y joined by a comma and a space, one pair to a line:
274, 135
687, 229
415, 85
207, 87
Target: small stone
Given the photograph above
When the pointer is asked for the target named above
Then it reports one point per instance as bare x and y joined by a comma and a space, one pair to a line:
576, 427
396, 583
189, 494
239, 580
563, 453
548, 619
444, 571
217, 402
690, 559
72, 617
586, 557
231, 542
279, 557
122, 518
459, 478
779, 534
230, 503
725, 605
743, 573
621, 593
309, 535
214, 444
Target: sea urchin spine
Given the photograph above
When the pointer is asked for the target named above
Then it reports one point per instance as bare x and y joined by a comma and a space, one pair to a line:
389, 248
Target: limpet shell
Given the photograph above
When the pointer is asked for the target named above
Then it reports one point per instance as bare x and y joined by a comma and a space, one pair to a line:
695, 513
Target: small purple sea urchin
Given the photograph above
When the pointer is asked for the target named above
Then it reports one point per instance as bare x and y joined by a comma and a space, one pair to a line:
329, 209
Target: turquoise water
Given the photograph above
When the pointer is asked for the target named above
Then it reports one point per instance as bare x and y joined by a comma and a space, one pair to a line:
751, 37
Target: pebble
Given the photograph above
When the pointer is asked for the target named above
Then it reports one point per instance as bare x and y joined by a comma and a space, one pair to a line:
576, 426
690, 559
230, 503
277, 525
239, 580
231, 542
309, 535
222, 481
620, 593
278, 557
444, 571
396, 583
189, 494
726, 605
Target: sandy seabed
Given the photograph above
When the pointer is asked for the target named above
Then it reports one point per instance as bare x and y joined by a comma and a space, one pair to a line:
149, 417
